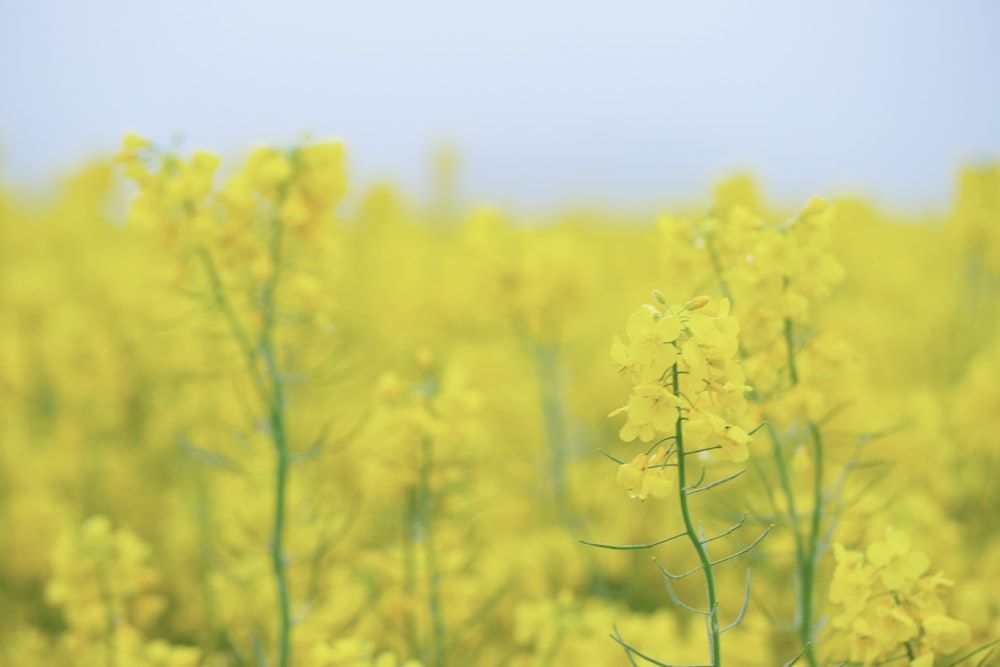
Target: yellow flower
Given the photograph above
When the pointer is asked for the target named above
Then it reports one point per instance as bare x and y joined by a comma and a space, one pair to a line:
644, 476
865, 646
894, 624
651, 408
898, 565
324, 177
131, 144
851, 586
650, 336
706, 429
266, 169
815, 206
730, 395
733, 441
944, 634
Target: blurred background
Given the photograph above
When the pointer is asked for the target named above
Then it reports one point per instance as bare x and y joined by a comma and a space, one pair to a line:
545, 102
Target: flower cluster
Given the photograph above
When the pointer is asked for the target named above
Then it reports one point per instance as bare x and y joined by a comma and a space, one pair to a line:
888, 605
107, 591
683, 366
279, 202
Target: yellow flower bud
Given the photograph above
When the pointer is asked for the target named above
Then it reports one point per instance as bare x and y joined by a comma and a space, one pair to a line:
697, 302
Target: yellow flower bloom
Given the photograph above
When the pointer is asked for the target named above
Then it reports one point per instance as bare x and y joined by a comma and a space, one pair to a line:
650, 336
898, 565
944, 634
651, 408
266, 169
644, 476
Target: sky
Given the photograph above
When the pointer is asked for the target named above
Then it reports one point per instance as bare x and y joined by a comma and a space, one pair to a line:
545, 101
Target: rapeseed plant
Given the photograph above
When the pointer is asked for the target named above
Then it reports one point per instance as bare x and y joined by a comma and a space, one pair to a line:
687, 391
218, 448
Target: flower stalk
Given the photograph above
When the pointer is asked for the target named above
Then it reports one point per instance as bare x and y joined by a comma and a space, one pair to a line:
696, 541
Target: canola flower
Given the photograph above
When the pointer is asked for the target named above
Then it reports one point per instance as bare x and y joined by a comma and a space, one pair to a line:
687, 390
889, 607
143, 363
774, 273
277, 198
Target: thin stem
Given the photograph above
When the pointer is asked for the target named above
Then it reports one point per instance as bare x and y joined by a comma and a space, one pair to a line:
717, 265
793, 371
236, 327
809, 567
711, 485
433, 576
747, 548
547, 365
610, 456
633, 547
706, 564
743, 608
728, 531
409, 564
618, 637
104, 584
800, 548
276, 420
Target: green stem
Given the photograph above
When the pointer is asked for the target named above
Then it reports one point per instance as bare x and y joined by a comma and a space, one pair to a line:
546, 360
717, 266
792, 369
219, 296
110, 645
410, 531
810, 564
276, 414
699, 547
909, 649
786, 488
433, 576
809, 557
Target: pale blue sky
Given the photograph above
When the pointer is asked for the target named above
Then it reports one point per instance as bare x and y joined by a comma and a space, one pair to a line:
626, 102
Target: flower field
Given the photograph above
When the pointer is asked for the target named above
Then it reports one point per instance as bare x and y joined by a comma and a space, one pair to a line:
268, 416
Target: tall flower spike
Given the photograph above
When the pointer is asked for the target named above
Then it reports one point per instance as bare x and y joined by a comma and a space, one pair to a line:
687, 387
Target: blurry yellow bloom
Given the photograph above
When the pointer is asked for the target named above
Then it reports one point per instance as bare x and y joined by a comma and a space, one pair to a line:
324, 176
697, 302
266, 169
346, 652
238, 197
865, 646
199, 175
851, 585
731, 395
898, 566
894, 624
815, 206
131, 144
944, 634
294, 209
